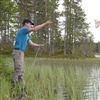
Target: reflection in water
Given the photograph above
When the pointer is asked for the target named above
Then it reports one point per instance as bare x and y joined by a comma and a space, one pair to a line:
97, 56
92, 89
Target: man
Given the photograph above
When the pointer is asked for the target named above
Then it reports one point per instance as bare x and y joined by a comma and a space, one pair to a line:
21, 41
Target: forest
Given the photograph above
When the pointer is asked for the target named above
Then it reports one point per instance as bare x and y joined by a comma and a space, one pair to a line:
68, 36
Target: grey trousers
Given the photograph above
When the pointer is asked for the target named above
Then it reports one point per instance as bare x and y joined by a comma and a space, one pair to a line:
18, 58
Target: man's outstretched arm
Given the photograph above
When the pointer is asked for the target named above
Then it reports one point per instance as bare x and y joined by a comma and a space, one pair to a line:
40, 26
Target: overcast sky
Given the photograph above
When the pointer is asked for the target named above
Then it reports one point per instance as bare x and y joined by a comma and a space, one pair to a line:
92, 10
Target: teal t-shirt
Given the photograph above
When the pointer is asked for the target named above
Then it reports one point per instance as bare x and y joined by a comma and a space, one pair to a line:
22, 38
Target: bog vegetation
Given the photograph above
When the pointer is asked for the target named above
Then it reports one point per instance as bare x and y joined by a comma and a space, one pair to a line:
49, 79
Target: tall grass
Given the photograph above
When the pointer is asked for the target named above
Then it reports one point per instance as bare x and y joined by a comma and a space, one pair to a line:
49, 79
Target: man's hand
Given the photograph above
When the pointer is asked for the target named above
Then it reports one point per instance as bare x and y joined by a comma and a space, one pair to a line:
49, 22
41, 45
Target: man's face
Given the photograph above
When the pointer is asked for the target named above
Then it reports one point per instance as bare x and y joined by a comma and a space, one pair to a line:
29, 25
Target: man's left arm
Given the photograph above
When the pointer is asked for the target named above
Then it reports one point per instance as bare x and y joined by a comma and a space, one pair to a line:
35, 44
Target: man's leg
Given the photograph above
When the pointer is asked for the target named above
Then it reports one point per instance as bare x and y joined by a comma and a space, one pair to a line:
18, 57
18, 85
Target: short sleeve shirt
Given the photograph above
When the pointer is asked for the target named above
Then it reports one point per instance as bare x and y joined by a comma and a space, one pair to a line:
22, 38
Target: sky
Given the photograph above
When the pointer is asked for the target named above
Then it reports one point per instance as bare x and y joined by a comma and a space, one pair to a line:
92, 11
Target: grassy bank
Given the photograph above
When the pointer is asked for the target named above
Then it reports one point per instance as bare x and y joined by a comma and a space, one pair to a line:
49, 79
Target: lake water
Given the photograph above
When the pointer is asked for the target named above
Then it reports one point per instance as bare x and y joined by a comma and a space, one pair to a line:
92, 89
97, 56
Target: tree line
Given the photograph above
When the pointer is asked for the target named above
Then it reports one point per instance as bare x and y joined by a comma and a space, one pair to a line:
70, 36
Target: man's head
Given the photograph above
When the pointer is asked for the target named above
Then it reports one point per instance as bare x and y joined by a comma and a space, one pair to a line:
27, 23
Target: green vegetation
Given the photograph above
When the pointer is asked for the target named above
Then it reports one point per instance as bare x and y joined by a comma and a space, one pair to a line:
69, 34
59, 76
48, 79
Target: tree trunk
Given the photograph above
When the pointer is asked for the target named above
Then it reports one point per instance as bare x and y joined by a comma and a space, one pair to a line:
35, 12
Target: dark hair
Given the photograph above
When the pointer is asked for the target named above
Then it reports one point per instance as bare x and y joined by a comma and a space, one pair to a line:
27, 21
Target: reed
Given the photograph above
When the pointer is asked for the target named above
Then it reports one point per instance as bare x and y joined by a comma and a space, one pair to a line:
50, 79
